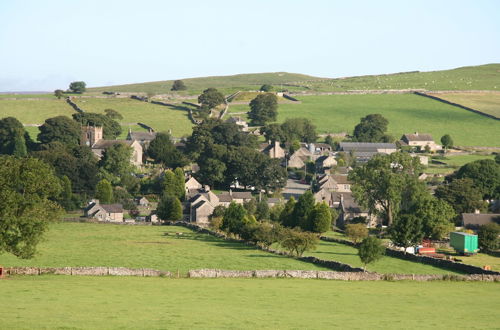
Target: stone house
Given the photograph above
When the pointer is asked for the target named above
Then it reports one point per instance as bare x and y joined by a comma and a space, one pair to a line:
475, 220
350, 209
192, 187
273, 150
335, 182
142, 201
420, 141
144, 138
295, 161
326, 161
104, 212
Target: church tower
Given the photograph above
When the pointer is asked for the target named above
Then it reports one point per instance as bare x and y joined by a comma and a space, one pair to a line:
91, 135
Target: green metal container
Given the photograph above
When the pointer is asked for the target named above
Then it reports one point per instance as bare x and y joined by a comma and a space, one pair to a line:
464, 243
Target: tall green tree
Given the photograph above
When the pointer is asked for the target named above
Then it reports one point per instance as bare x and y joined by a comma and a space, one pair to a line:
437, 217
104, 192
77, 87
387, 184
169, 208
59, 93
61, 129
210, 98
407, 231
12, 137
372, 128
320, 218
263, 109
171, 185
163, 151
27, 189
234, 218
262, 210
447, 141
115, 163
302, 209
462, 195
485, 174
266, 88
113, 114
286, 216
181, 182
299, 129
178, 85
370, 250
488, 237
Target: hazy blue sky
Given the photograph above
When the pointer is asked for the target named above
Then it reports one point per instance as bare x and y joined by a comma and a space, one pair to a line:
46, 44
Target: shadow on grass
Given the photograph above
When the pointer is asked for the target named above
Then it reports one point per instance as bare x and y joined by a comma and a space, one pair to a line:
337, 253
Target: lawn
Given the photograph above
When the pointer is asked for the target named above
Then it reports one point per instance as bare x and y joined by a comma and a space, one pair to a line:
486, 102
453, 162
480, 259
406, 113
158, 303
86, 244
34, 111
161, 118
349, 255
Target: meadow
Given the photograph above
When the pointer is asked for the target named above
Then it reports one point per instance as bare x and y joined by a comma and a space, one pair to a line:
87, 244
161, 118
34, 111
406, 113
158, 303
453, 162
486, 102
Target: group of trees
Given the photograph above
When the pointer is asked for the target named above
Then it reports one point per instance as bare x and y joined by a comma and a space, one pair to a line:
263, 109
372, 128
290, 131
170, 206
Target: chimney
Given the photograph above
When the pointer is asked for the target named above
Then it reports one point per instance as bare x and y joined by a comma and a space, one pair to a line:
342, 198
476, 211
311, 148
206, 188
230, 192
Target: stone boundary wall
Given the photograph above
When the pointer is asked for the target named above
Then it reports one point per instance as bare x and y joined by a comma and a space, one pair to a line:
87, 271
360, 92
149, 128
288, 97
456, 105
331, 275
74, 105
442, 263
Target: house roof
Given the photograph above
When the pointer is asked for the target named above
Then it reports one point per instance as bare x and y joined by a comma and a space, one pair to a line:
365, 146
323, 146
340, 179
478, 219
104, 144
349, 205
112, 208
418, 137
273, 200
142, 136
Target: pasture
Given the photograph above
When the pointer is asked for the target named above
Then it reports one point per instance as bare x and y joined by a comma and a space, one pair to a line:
34, 111
453, 162
87, 244
161, 118
159, 303
485, 102
406, 113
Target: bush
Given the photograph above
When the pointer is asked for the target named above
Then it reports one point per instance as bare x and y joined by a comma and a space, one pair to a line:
297, 242
370, 250
488, 237
356, 232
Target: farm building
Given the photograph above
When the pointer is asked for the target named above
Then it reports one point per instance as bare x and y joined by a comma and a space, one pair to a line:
104, 212
474, 220
421, 141
364, 151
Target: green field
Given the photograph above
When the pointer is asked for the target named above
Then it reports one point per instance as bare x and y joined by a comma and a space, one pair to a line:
486, 102
86, 244
453, 162
406, 113
157, 303
161, 118
226, 84
27, 96
34, 111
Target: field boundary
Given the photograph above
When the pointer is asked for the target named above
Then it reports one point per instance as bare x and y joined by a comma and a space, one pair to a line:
456, 105
441, 263
219, 273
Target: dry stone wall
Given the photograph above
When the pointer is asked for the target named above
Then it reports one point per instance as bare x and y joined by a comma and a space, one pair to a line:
87, 271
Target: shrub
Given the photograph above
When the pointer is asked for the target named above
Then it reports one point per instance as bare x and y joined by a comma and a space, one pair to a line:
297, 242
488, 237
356, 232
370, 250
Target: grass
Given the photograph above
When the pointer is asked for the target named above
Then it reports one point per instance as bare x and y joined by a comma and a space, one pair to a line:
453, 162
479, 260
161, 118
387, 265
87, 244
34, 111
26, 96
157, 303
486, 102
406, 113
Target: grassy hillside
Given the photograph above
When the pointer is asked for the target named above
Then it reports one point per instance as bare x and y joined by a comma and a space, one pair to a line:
34, 111
161, 118
86, 244
226, 84
481, 77
65, 302
486, 102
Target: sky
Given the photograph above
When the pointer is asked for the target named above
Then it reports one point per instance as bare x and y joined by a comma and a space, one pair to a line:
44, 45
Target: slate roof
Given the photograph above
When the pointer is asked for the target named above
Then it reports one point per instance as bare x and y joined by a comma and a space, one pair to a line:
365, 146
112, 208
478, 219
142, 136
104, 144
341, 179
418, 137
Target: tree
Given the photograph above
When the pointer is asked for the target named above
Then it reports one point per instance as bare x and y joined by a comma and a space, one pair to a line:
12, 137
60, 128
302, 210
462, 195
181, 182
234, 218
387, 184
372, 128
163, 151
273, 132
370, 250
320, 218
436, 215
297, 242
115, 163
446, 141
169, 208
66, 199
210, 98
266, 88
407, 231
113, 114
104, 192
488, 237
263, 109
27, 188
300, 129
171, 185
262, 210
178, 85
111, 128
266, 234
497, 158
59, 93
77, 87
356, 232
485, 174
286, 217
